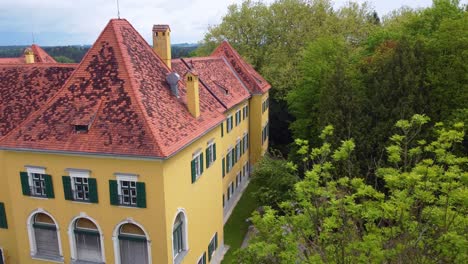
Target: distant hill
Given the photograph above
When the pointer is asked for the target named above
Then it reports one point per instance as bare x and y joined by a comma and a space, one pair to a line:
74, 53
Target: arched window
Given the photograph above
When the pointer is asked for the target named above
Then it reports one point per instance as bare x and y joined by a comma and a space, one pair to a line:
44, 237
87, 241
133, 244
179, 237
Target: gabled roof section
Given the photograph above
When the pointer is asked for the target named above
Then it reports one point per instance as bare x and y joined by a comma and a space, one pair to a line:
217, 76
120, 94
252, 79
40, 56
25, 88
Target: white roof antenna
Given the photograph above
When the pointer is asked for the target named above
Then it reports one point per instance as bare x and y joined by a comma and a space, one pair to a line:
118, 9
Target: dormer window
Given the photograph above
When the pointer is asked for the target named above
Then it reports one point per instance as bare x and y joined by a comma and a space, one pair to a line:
81, 129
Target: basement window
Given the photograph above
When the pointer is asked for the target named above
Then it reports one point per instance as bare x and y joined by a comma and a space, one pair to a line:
81, 129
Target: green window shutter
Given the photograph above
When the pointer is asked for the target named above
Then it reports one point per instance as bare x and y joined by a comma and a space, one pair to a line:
3, 219
113, 192
194, 176
93, 193
235, 154
222, 129
214, 152
216, 240
25, 183
141, 194
67, 188
208, 157
49, 186
223, 167
201, 163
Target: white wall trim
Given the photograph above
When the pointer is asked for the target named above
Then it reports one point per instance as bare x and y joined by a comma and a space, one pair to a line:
184, 213
32, 237
71, 236
115, 239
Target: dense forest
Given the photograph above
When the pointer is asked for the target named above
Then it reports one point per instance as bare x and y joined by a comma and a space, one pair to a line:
368, 158
74, 54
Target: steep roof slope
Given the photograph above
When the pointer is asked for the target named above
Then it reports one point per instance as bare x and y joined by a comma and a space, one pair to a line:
25, 88
252, 79
216, 75
40, 56
120, 92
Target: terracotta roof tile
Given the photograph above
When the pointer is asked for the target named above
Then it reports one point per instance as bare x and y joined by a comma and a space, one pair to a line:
25, 88
119, 90
215, 74
40, 56
252, 79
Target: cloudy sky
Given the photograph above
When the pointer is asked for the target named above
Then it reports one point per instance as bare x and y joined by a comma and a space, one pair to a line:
66, 22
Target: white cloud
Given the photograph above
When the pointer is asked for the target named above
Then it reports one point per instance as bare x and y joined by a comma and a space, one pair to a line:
80, 22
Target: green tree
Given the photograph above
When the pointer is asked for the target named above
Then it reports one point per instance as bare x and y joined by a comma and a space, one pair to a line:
275, 178
333, 218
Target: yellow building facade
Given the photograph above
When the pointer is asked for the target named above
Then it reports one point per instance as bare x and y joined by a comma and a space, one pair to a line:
72, 193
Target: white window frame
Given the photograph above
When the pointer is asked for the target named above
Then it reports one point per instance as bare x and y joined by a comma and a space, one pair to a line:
78, 173
32, 236
238, 149
179, 257
229, 125
196, 157
230, 192
115, 239
35, 170
214, 251
210, 145
201, 258
229, 164
72, 240
130, 178
238, 117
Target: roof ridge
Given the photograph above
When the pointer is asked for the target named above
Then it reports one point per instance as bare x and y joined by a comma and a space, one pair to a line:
206, 86
235, 74
51, 99
132, 85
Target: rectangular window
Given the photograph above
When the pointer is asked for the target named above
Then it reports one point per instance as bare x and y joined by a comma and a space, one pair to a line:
202, 259
210, 154
79, 187
3, 218
229, 123
238, 149
246, 111
238, 117
197, 165
245, 141
36, 183
212, 246
229, 191
127, 191
238, 180
229, 161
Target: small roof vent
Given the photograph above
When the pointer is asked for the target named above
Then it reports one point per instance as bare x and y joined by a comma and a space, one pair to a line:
173, 81
81, 129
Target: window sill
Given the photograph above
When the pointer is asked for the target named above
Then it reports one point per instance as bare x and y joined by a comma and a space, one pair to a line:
178, 259
129, 206
48, 258
77, 261
81, 202
39, 197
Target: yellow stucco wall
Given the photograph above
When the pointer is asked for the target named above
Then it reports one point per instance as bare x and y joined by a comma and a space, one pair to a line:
7, 236
257, 122
229, 142
200, 200
107, 216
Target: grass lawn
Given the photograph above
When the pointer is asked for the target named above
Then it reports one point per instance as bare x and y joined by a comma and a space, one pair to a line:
236, 227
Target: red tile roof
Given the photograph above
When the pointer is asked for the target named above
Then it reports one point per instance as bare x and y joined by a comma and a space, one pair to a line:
252, 79
25, 88
40, 56
216, 75
120, 91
